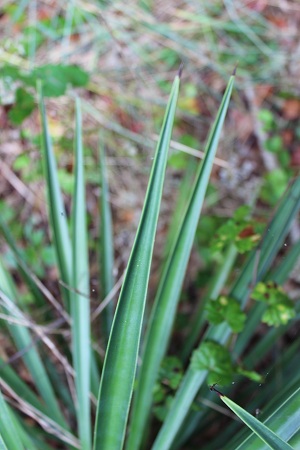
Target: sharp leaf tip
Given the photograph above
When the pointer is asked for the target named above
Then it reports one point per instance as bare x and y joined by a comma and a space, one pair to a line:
180, 70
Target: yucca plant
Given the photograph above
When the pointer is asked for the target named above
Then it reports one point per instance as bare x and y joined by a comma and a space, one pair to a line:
75, 383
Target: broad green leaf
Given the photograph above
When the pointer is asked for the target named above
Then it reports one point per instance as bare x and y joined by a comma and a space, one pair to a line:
10, 71
274, 186
75, 75
226, 309
240, 230
267, 119
80, 303
214, 358
278, 314
122, 352
262, 431
168, 293
280, 307
171, 370
258, 263
242, 213
169, 377
23, 107
56, 77
274, 144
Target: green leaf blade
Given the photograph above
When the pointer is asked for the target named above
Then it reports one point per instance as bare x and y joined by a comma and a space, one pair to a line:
24, 340
8, 431
121, 357
262, 431
285, 422
106, 245
80, 304
163, 312
57, 213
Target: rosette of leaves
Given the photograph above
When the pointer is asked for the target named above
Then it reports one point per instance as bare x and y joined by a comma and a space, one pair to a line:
240, 230
226, 309
280, 308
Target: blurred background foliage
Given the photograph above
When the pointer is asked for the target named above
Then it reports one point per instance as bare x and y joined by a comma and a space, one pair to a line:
121, 60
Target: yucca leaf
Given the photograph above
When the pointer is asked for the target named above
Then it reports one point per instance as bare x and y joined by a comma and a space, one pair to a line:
271, 242
262, 431
2, 444
285, 422
8, 432
295, 441
57, 213
106, 245
80, 303
180, 206
25, 433
164, 309
121, 357
31, 357
19, 387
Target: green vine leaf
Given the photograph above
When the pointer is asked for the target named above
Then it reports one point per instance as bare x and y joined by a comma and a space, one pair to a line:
244, 233
170, 376
251, 374
226, 309
23, 107
280, 307
216, 359
170, 372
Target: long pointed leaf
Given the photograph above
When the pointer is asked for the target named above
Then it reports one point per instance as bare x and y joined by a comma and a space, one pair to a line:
262, 431
19, 387
106, 246
164, 309
8, 431
57, 214
80, 304
121, 358
31, 356
285, 422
